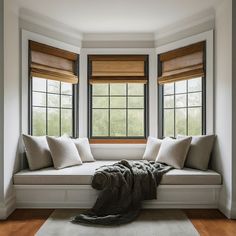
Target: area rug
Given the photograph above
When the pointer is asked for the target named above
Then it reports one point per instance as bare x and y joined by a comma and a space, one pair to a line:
149, 223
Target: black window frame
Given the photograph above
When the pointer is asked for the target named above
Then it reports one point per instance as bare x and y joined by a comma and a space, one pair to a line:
75, 103
146, 107
160, 91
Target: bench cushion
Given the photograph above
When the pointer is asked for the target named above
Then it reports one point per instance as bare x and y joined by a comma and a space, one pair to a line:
82, 175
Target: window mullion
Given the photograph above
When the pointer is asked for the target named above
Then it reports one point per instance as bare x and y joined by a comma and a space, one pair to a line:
47, 108
60, 111
174, 110
187, 109
109, 110
126, 121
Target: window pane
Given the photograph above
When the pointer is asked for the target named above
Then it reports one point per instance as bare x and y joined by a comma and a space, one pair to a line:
66, 88
181, 121
195, 85
118, 102
136, 122
180, 100
168, 122
135, 89
100, 102
100, 89
39, 121
66, 101
100, 122
53, 86
117, 89
135, 102
53, 100
39, 84
169, 88
195, 121
118, 122
53, 122
66, 121
39, 99
180, 86
168, 101
194, 99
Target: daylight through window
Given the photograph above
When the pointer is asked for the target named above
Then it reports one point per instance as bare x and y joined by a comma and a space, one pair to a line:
118, 110
52, 107
182, 104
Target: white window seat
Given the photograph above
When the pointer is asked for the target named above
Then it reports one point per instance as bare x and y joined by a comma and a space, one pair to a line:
70, 188
82, 175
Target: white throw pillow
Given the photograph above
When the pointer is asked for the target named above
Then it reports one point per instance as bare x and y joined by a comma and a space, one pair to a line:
83, 147
173, 152
64, 152
199, 152
37, 152
152, 149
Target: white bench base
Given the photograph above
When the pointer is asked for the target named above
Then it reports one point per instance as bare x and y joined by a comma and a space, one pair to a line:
84, 196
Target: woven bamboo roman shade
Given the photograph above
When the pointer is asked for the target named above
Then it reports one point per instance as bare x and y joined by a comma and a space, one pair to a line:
182, 64
52, 63
118, 68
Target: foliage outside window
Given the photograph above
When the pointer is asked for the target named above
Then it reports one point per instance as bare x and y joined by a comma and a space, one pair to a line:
117, 110
183, 108
51, 107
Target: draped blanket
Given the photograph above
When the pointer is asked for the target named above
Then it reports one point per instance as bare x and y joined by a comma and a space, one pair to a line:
123, 186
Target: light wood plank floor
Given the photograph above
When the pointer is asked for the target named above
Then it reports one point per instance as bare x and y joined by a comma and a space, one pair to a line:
24, 222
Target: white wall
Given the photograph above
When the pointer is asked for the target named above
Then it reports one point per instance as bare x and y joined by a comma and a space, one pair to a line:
1, 101
234, 108
11, 109
11, 93
223, 101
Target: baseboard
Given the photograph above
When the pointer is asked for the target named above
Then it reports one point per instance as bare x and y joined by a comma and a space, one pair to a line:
227, 207
7, 207
233, 214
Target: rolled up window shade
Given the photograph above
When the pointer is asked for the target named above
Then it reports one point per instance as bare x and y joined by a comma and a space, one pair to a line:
182, 64
118, 68
47, 62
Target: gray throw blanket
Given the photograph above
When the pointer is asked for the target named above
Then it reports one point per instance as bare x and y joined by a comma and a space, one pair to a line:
124, 185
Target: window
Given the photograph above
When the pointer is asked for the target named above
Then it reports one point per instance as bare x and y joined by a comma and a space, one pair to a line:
53, 86
118, 110
183, 108
118, 97
52, 107
182, 91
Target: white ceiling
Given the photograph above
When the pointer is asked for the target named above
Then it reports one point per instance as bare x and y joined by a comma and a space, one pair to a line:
117, 16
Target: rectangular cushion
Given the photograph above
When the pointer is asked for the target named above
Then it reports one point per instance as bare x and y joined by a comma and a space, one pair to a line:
82, 175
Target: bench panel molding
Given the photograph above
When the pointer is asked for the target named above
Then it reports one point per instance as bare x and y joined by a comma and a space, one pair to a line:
84, 196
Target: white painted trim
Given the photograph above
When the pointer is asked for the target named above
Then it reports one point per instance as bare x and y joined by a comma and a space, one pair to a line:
49, 23
206, 17
233, 212
84, 196
208, 37
83, 84
7, 207
118, 37
227, 208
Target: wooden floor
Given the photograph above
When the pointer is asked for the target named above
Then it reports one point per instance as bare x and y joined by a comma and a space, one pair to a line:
27, 222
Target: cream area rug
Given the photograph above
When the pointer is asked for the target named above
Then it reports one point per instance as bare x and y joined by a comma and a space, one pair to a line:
149, 223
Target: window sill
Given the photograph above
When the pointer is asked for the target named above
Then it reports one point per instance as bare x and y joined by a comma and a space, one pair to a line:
117, 141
